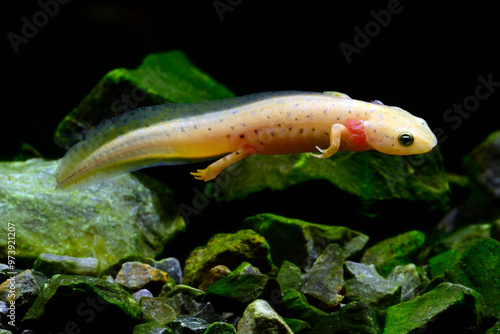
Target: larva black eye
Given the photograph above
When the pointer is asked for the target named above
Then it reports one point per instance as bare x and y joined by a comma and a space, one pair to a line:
405, 139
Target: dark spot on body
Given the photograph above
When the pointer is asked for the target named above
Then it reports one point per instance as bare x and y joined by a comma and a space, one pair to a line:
272, 133
325, 111
221, 120
313, 129
309, 116
228, 136
326, 133
209, 129
243, 124
301, 131
338, 118
262, 143
237, 152
268, 117
256, 131
289, 128
279, 125
195, 127
242, 136
374, 130
182, 129
232, 127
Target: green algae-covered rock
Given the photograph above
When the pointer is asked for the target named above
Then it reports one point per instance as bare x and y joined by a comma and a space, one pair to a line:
152, 327
161, 78
289, 276
260, 317
449, 308
354, 318
298, 326
391, 252
301, 242
411, 278
295, 306
156, 309
238, 286
70, 302
26, 292
440, 263
369, 182
220, 328
479, 269
230, 250
106, 221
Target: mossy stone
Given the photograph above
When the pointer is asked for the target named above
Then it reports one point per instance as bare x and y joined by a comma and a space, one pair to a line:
355, 318
295, 305
81, 302
152, 327
301, 242
399, 250
108, 220
161, 78
449, 308
220, 328
229, 250
440, 263
479, 269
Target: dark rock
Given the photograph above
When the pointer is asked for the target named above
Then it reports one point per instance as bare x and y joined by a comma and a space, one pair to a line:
183, 305
161, 78
172, 266
260, 317
301, 242
367, 286
449, 308
354, 318
399, 250
51, 264
325, 279
135, 276
108, 220
72, 303
229, 250
208, 314
479, 269
416, 184
188, 324
295, 305
26, 291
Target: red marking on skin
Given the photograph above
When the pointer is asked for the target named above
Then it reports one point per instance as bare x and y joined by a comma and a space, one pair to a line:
357, 129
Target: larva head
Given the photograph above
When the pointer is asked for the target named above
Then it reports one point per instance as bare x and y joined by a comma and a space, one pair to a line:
392, 130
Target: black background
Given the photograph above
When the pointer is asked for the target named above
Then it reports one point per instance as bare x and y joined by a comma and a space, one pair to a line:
425, 60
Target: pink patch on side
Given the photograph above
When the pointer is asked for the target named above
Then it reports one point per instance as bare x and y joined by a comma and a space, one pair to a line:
357, 129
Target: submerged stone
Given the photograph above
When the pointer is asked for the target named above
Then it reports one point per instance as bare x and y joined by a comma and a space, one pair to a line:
325, 279
298, 326
220, 328
301, 242
152, 327
215, 274
106, 220
479, 269
240, 287
411, 183
189, 324
449, 308
440, 263
399, 250
295, 305
367, 286
412, 280
135, 276
289, 276
156, 309
51, 264
354, 318
260, 317
82, 303
229, 250
25, 289
161, 78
